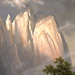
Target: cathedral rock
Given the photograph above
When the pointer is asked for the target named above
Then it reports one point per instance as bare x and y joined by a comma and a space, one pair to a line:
25, 45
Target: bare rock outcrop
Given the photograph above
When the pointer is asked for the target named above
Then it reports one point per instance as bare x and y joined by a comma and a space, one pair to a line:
47, 39
2, 28
24, 46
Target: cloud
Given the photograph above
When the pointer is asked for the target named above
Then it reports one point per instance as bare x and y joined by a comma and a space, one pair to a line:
38, 1
14, 3
20, 3
68, 25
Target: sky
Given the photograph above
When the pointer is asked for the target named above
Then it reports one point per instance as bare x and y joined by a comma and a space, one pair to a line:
62, 10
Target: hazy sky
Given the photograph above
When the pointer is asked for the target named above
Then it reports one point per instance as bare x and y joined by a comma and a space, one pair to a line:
62, 10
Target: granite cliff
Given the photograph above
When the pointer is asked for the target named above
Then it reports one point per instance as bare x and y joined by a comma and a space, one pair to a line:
26, 44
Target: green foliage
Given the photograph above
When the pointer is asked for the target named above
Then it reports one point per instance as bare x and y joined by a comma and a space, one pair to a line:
62, 68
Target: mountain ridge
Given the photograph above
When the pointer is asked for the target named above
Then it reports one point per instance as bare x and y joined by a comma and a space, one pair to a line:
27, 43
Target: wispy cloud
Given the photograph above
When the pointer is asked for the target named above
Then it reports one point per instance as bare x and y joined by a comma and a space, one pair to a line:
38, 1
14, 3
20, 3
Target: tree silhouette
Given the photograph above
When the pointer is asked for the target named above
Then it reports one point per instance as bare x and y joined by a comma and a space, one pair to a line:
62, 68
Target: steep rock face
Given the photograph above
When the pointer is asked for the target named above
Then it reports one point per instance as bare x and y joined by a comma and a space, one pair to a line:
47, 39
8, 50
26, 47
22, 27
9, 28
1, 30
8, 23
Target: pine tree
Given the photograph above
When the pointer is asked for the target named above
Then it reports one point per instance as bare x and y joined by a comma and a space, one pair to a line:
62, 68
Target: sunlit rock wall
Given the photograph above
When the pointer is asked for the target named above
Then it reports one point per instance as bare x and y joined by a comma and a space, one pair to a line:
26, 46
47, 39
